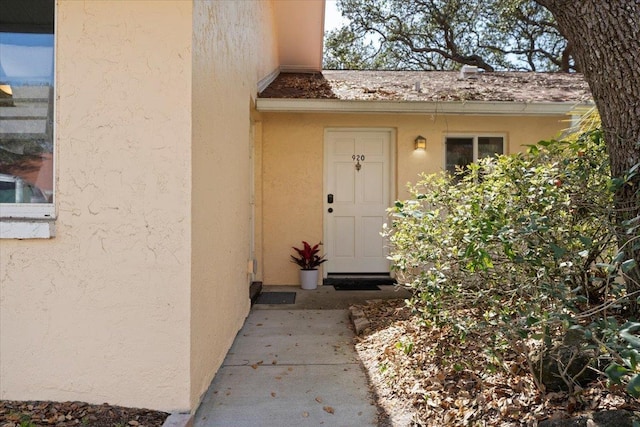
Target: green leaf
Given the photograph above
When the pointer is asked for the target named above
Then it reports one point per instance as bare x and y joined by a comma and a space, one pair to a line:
620, 256
608, 267
631, 339
633, 387
558, 252
616, 183
615, 372
628, 265
632, 357
586, 241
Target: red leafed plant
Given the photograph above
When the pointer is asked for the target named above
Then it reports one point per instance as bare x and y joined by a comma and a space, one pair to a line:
308, 258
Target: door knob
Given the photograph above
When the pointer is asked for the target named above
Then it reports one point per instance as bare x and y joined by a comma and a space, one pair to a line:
330, 210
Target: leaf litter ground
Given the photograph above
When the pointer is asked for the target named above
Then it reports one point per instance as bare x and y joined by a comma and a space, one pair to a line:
66, 414
426, 376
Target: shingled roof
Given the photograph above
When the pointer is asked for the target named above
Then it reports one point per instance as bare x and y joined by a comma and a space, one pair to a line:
431, 86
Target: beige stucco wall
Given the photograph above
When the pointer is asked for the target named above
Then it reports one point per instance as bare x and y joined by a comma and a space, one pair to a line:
100, 313
234, 47
300, 32
292, 167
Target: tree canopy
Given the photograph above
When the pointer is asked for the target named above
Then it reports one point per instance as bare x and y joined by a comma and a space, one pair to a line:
599, 38
445, 34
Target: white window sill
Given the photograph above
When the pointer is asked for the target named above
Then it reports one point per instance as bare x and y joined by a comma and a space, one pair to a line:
27, 228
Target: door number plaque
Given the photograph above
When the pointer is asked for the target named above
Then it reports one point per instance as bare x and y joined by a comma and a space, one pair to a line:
356, 158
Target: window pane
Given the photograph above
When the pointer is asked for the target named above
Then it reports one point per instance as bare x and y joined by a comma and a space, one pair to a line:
459, 153
489, 146
26, 117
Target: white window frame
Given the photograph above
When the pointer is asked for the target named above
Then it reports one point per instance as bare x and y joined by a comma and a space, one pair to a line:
474, 136
34, 220
28, 210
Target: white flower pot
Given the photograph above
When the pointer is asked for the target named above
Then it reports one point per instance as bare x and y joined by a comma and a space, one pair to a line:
308, 279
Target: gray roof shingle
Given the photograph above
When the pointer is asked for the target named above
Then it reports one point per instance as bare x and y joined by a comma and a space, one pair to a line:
440, 86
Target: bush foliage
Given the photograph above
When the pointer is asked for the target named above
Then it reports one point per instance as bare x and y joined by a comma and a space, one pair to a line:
523, 244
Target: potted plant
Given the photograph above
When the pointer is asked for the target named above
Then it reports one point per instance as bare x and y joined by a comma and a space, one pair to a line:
308, 260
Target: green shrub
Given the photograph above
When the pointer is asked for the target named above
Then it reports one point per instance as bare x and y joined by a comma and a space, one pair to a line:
524, 244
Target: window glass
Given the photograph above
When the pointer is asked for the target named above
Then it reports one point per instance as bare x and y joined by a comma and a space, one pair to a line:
459, 153
26, 111
489, 146
462, 151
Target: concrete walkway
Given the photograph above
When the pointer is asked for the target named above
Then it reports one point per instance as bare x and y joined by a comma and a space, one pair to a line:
290, 367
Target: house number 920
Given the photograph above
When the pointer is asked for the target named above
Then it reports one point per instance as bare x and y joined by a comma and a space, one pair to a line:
357, 158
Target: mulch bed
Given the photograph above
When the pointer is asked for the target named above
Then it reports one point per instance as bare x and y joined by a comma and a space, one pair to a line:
424, 376
65, 414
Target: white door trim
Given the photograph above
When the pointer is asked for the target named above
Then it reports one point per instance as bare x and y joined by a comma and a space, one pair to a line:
392, 188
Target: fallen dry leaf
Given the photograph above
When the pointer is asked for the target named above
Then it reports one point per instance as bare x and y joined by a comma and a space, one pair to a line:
72, 414
328, 409
444, 382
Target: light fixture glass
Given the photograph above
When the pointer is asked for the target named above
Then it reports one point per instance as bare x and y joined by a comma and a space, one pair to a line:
420, 143
6, 90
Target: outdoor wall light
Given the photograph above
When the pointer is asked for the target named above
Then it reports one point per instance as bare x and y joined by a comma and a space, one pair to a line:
6, 91
420, 143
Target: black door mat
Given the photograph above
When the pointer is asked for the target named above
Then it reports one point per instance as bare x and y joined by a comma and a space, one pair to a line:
276, 298
353, 279
355, 287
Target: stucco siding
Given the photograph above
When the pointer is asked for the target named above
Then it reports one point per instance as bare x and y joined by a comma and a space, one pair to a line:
231, 41
292, 167
100, 313
300, 31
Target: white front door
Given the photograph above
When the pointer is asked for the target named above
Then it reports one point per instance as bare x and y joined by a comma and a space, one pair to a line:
357, 194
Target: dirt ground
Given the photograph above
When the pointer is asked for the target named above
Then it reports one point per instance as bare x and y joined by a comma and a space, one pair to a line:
65, 414
421, 378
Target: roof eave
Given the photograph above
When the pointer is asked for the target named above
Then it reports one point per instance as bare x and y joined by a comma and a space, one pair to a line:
500, 108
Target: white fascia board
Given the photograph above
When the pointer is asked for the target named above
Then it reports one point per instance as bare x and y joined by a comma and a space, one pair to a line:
414, 107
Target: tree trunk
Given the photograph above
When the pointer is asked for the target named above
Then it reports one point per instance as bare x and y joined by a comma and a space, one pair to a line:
605, 37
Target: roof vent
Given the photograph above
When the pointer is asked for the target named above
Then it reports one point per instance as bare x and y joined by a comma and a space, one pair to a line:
469, 72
